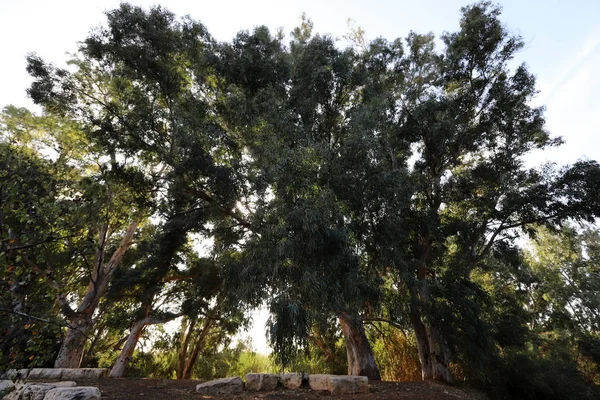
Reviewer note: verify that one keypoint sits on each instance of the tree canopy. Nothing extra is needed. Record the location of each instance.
(373, 195)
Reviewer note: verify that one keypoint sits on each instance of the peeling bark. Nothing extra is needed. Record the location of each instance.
(71, 349)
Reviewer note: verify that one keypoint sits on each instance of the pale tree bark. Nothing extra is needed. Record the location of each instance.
(137, 329)
(80, 320)
(361, 361)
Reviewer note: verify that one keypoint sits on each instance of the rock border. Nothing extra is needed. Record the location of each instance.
(334, 384)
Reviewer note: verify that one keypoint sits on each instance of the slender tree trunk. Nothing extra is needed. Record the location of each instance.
(128, 348)
(191, 361)
(361, 360)
(186, 336)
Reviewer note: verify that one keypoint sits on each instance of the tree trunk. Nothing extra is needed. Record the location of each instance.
(128, 348)
(433, 352)
(358, 350)
(71, 349)
(186, 336)
(191, 361)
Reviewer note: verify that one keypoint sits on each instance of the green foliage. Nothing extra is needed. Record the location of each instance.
(396, 353)
(383, 181)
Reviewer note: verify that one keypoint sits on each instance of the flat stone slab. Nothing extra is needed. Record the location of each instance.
(349, 384)
(67, 373)
(74, 393)
(45, 373)
(339, 384)
(15, 374)
(291, 380)
(225, 386)
(261, 382)
(84, 373)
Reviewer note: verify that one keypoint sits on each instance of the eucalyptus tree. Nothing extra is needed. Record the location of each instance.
(317, 123)
(469, 119)
(141, 89)
(60, 197)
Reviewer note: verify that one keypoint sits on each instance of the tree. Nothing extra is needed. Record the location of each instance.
(469, 118)
(144, 104)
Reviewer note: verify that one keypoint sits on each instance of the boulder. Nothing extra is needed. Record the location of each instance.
(15, 374)
(34, 391)
(339, 384)
(6, 386)
(291, 381)
(45, 373)
(74, 393)
(223, 386)
(84, 373)
(261, 382)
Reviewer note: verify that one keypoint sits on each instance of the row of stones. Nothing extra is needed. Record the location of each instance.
(334, 384)
(66, 390)
(55, 373)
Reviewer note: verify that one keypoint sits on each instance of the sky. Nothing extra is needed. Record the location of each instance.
(562, 48)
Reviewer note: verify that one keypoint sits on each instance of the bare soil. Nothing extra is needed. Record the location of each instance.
(163, 389)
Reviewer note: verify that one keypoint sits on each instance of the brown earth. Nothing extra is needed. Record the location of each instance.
(163, 389)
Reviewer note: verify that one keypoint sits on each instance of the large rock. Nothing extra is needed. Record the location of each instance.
(221, 386)
(34, 391)
(15, 374)
(45, 373)
(74, 393)
(261, 382)
(6, 386)
(349, 384)
(339, 384)
(291, 380)
(84, 373)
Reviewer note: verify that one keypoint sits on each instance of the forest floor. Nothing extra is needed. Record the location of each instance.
(164, 389)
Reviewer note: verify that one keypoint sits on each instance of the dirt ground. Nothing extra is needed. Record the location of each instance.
(162, 389)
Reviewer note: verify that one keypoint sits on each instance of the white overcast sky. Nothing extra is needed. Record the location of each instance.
(562, 45)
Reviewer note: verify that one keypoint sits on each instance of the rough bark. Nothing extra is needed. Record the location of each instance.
(361, 361)
(433, 353)
(71, 349)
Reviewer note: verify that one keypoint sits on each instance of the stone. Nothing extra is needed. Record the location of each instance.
(45, 373)
(84, 373)
(74, 393)
(34, 390)
(6, 386)
(291, 380)
(339, 384)
(15, 374)
(349, 384)
(261, 382)
(37, 391)
(319, 381)
(223, 386)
